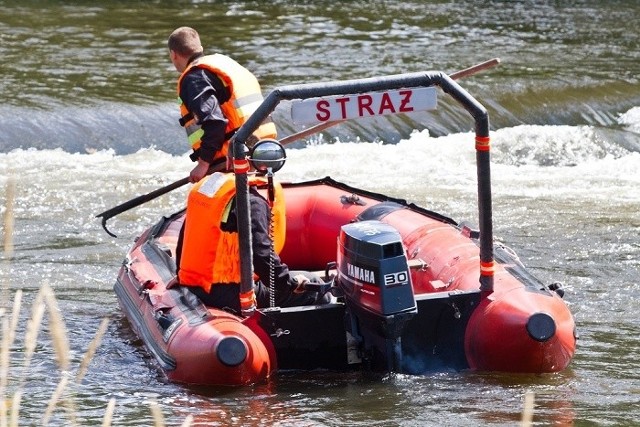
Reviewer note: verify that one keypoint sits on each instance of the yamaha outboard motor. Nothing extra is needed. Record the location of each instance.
(374, 276)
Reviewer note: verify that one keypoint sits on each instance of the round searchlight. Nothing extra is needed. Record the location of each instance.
(231, 351)
(268, 154)
(541, 327)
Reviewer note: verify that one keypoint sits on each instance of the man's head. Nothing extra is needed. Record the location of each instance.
(184, 42)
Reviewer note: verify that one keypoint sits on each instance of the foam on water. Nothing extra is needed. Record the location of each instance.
(530, 161)
(631, 120)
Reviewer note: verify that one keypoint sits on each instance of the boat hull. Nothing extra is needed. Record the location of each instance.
(497, 336)
(522, 326)
(192, 343)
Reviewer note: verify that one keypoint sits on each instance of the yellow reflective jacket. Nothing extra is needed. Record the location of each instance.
(246, 96)
(209, 254)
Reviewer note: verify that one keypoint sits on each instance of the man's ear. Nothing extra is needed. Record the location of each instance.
(176, 60)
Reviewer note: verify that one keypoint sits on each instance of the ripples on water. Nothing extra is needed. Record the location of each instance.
(560, 65)
(95, 78)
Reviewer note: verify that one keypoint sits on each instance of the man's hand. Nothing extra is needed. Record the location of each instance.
(229, 161)
(300, 280)
(199, 171)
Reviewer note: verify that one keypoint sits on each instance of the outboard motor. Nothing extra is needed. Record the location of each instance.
(374, 275)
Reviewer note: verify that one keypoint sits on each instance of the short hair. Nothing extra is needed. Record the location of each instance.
(185, 41)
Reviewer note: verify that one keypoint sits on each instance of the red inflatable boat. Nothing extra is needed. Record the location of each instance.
(412, 290)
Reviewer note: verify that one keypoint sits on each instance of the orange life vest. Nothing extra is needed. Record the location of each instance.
(209, 254)
(246, 96)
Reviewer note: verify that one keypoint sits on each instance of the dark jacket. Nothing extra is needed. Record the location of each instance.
(202, 93)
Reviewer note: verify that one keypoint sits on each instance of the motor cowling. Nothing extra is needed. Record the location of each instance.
(373, 269)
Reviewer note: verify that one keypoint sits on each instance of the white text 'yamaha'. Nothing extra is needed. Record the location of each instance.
(360, 273)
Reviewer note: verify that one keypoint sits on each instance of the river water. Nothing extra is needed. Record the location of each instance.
(89, 121)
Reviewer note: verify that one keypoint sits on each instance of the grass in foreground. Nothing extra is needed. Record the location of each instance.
(62, 398)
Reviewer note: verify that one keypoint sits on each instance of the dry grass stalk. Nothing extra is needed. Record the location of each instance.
(91, 351)
(58, 396)
(55, 397)
(158, 418)
(8, 237)
(9, 219)
(108, 413)
(58, 330)
(3, 412)
(15, 409)
(187, 421)
(31, 334)
(4, 371)
(61, 346)
(70, 406)
(8, 336)
(45, 298)
(15, 315)
(527, 412)
(30, 341)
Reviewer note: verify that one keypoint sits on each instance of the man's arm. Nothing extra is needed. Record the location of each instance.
(203, 92)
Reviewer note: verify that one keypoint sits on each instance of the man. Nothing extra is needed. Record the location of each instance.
(209, 249)
(217, 96)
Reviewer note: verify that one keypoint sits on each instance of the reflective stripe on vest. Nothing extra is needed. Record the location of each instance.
(210, 255)
(246, 96)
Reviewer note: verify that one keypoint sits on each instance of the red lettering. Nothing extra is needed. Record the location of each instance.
(386, 104)
(406, 99)
(364, 103)
(343, 106)
(323, 111)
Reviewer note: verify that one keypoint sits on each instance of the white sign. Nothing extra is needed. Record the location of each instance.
(345, 107)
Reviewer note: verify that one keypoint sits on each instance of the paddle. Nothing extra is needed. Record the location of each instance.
(219, 165)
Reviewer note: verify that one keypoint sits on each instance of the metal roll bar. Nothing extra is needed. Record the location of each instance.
(359, 86)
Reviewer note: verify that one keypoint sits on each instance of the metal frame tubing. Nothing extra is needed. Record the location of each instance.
(358, 86)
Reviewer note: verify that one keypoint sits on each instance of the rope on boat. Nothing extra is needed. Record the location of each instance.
(272, 279)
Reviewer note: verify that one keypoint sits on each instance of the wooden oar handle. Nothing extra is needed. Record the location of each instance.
(474, 69)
